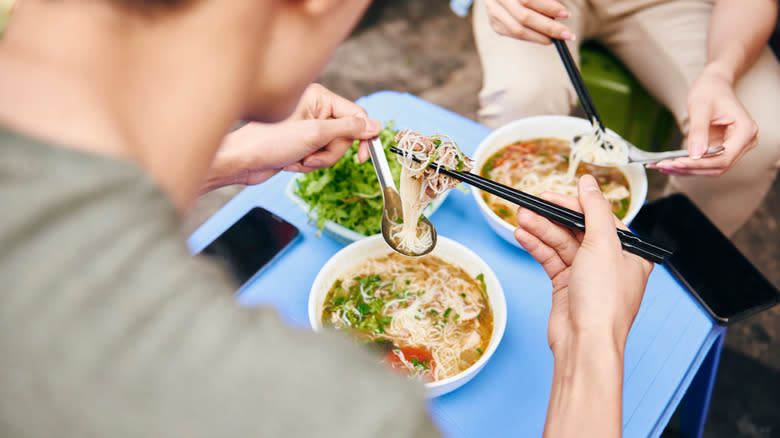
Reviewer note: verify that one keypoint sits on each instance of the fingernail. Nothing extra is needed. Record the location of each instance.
(651, 166)
(566, 35)
(679, 165)
(589, 184)
(373, 125)
(697, 150)
(312, 163)
(563, 13)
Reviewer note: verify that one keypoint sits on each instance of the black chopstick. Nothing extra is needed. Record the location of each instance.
(579, 84)
(632, 243)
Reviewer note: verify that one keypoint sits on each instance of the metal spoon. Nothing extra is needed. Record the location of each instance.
(392, 209)
(638, 156)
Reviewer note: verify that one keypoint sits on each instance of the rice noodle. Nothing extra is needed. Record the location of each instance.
(597, 147)
(456, 340)
(543, 165)
(421, 184)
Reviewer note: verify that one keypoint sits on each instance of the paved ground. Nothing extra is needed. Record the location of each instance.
(421, 48)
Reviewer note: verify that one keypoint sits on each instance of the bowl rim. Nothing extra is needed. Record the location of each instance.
(497, 301)
(490, 138)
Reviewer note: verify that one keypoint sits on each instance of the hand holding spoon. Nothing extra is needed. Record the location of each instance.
(392, 209)
(639, 156)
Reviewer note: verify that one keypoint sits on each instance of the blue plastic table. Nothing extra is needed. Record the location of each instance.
(672, 352)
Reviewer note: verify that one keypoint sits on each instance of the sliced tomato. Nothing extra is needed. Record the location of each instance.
(393, 360)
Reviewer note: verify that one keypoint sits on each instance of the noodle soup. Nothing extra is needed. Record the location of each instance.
(432, 318)
(540, 165)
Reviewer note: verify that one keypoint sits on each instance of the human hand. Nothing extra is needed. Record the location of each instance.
(716, 117)
(529, 20)
(316, 135)
(327, 111)
(597, 287)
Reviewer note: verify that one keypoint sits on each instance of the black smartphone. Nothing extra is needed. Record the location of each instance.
(705, 261)
(252, 243)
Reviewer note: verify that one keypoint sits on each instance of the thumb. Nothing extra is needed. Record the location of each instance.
(599, 219)
(699, 132)
(346, 127)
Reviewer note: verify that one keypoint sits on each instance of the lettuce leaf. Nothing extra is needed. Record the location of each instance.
(348, 192)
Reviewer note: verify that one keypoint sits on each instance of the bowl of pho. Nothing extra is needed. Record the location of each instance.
(436, 318)
(534, 155)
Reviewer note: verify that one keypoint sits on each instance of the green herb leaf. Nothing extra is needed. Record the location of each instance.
(481, 279)
(326, 190)
(621, 212)
(419, 365)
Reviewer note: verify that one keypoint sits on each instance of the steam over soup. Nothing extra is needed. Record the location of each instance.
(433, 318)
(541, 165)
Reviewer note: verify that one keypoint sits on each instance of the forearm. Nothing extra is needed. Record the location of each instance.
(738, 32)
(586, 395)
(236, 162)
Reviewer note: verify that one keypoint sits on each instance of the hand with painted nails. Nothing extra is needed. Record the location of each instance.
(597, 290)
(529, 20)
(717, 117)
(320, 130)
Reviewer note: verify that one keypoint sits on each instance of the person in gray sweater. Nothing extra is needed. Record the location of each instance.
(114, 116)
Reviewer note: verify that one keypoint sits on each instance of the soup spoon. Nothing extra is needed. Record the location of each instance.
(638, 156)
(392, 210)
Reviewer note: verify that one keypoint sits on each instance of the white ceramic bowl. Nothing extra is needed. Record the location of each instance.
(340, 233)
(446, 249)
(563, 127)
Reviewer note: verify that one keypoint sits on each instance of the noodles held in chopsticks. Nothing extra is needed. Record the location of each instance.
(421, 184)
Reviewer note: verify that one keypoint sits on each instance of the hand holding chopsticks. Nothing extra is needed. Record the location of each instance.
(632, 243)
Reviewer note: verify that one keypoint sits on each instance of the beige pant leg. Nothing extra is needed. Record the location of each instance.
(520, 78)
(665, 46)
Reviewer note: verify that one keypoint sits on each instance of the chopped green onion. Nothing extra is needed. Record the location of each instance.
(420, 365)
(481, 279)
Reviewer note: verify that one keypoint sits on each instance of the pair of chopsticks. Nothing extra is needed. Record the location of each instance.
(632, 243)
(579, 85)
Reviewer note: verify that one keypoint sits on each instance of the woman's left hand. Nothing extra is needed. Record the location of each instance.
(717, 117)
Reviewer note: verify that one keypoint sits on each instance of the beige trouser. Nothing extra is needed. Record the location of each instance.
(664, 44)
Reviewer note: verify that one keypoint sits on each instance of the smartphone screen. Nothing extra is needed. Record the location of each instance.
(705, 260)
(252, 243)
